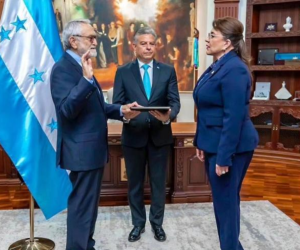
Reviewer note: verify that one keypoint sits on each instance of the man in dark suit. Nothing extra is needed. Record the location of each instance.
(82, 129)
(146, 139)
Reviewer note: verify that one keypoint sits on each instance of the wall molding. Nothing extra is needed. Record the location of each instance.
(226, 8)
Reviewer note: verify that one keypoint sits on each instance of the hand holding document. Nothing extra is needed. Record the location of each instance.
(128, 112)
(161, 113)
(162, 116)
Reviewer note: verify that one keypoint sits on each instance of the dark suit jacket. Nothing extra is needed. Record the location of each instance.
(223, 124)
(82, 117)
(129, 87)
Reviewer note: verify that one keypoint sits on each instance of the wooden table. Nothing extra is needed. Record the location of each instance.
(186, 177)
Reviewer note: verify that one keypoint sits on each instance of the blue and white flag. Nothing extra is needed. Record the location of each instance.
(29, 46)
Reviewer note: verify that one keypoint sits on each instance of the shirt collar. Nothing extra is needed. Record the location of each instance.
(141, 64)
(76, 57)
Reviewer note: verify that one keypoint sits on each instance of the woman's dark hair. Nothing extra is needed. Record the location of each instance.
(232, 29)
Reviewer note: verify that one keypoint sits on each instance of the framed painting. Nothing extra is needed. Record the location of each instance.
(116, 22)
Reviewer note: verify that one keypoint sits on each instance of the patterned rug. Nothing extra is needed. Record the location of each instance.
(188, 227)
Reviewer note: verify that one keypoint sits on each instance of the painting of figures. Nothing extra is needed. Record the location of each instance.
(116, 22)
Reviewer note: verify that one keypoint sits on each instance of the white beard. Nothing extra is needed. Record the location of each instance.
(93, 53)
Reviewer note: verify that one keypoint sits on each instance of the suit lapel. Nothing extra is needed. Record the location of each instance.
(211, 74)
(156, 73)
(100, 94)
(201, 77)
(73, 61)
(215, 69)
(137, 75)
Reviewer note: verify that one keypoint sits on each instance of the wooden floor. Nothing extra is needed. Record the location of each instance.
(14, 197)
(275, 179)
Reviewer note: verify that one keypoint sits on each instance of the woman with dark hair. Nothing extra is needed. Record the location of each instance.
(225, 138)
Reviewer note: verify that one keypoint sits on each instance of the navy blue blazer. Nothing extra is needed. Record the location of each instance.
(129, 87)
(82, 117)
(222, 99)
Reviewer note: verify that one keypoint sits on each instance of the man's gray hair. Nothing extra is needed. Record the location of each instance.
(144, 31)
(72, 28)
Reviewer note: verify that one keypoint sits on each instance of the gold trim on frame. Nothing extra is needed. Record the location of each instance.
(123, 170)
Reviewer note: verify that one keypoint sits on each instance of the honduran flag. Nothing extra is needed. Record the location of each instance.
(29, 46)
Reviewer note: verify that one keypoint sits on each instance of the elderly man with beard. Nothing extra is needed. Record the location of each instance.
(82, 129)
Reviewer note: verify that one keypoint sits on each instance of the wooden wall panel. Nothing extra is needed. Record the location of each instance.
(196, 171)
(1, 6)
(226, 8)
(8, 172)
(108, 175)
(3, 164)
(190, 180)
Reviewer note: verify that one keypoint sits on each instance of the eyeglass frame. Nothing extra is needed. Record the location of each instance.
(91, 38)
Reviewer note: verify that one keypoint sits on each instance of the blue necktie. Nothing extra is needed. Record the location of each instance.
(146, 80)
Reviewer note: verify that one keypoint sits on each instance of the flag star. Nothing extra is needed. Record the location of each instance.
(37, 76)
(4, 34)
(19, 24)
(52, 125)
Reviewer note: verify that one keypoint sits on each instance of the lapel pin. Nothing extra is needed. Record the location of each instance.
(212, 72)
(157, 67)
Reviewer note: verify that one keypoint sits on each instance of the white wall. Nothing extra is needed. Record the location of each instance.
(186, 113)
(242, 13)
(205, 16)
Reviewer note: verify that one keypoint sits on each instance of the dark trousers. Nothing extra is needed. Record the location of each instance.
(83, 209)
(98, 53)
(114, 52)
(226, 197)
(136, 160)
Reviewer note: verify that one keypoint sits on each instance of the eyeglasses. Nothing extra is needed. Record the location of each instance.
(91, 38)
(211, 36)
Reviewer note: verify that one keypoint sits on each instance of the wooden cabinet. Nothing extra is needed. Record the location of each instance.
(8, 173)
(277, 121)
(278, 124)
(114, 182)
(190, 179)
(260, 12)
(274, 169)
(186, 177)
